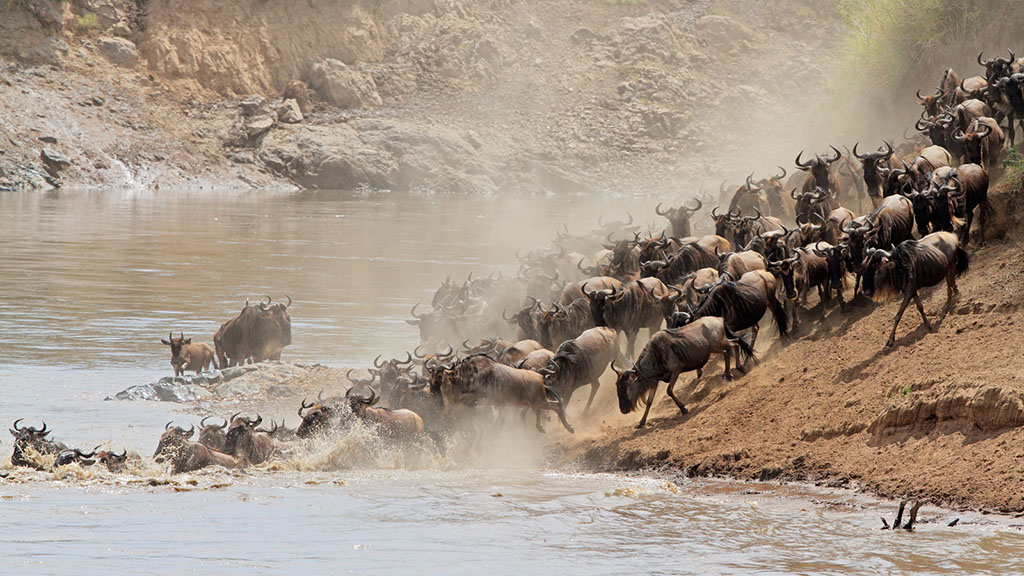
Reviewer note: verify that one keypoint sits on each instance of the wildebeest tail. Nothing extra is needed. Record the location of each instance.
(961, 261)
(779, 313)
(743, 341)
(551, 394)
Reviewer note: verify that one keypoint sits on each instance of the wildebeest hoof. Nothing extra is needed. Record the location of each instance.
(683, 410)
(728, 377)
(541, 430)
(570, 429)
(641, 425)
(889, 344)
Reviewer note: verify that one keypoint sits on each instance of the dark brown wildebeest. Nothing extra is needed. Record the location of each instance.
(836, 221)
(775, 191)
(388, 372)
(74, 456)
(526, 320)
(679, 217)
(835, 261)
(971, 192)
(396, 425)
(246, 444)
(748, 197)
(581, 361)
(629, 309)
(671, 353)
(319, 417)
(913, 265)
(696, 283)
(561, 323)
(30, 444)
(258, 333)
(213, 435)
(799, 273)
(983, 141)
(188, 456)
(818, 173)
(736, 264)
(690, 258)
(889, 224)
(817, 201)
(870, 163)
(188, 356)
(480, 380)
(743, 303)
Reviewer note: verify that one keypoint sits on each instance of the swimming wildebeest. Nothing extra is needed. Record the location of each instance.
(913, 265)
(188, 356)
(671, 353)
(397, 425)
(186, 456)
(30, 442)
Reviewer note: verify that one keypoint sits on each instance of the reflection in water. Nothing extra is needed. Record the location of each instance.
(96, 279)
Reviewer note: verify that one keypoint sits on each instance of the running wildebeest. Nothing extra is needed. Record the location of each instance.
(913, 265)
(581, 361)
(671, 353)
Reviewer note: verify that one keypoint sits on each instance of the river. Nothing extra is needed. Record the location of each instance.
(92, 280)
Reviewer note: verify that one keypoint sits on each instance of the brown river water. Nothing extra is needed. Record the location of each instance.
(90, 281)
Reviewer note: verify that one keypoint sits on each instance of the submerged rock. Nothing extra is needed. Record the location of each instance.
(165, 390)
(251, 380)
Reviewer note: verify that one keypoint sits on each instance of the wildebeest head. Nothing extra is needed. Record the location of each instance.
(974, 141)
(725, 224)
(173, 438)
(29, 441)
(74, 456)
(679, 217)
(113, 461)
(818, 167)
(870, 162)
(176, 343)
(212, 435)
(786, 269)
(996, 68)
(240, 429)
(931, 102)
(878, 267)
(628, 388)
(598, 300)
(390, 371)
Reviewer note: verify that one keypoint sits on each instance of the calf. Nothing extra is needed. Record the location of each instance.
(188, 356)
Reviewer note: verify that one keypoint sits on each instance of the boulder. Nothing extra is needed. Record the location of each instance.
(723, 34)
(299, 92)
(118, 51)
(342, 86)
(167, 389)
(54, 161)
(289, 111)
(255, 105)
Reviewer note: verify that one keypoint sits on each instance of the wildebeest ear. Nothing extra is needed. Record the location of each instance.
(187, 341)
(166, 343)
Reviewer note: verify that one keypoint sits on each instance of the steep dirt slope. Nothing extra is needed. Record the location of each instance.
(938, 416)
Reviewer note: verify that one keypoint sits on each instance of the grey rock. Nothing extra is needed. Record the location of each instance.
(255, 105)
(48, 139)
(289, 111)
(242, 157)
(279, 391)
(54, 161)
(165, 390)
(231, 373)
(342, 86)
(118, 51)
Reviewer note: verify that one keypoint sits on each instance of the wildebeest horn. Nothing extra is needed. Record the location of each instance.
(794, 195)
(166, 426)
(630, 216)
(714, 212)
(583, 289)
(408, 358)
(698, 207)
(979, 57)
(750, 178)
(858, 156)
(802, 164)
(413, 312)
(959, 135)
(657, 210)
(20, 419)
(257, 422)
(375, 364)
(616, 370)
(987, 128)
(678, 293)
(780, 176)
(191, 431)
(416, 350)
(838, 155)
(818, 216)
(44, 430)
(289, 301)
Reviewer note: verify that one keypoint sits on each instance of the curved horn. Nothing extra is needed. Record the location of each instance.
(793, 194)
(657, 210)
(838, 155)
(408, 358)
(858, 156)
(802, 164)
(416, 350)
(616, 370)
(714, 212)
(375, 364)
(289, 301)
(979, 57)
(19, 429)
(698, 207)
(168, 425)
(413, 312)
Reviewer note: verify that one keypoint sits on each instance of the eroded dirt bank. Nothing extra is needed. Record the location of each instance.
(472, 96)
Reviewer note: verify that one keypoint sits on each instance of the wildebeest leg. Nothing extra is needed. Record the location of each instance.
(631, 343)
(899, 315)
(950, 290)
(593, 392)
(725, 355)
(558, 406)
(650, 400)
(671, 394)
(920, 308)
(540, 427)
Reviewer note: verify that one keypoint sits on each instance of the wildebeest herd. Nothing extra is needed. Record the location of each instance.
(529, 341)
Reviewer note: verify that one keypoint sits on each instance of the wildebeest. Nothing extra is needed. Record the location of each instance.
(913, 265)
(396, 425)
(690, 258)
(31, 443)
(679, 217)
(518, 352)
(186, 456)
(574, 290)
(816, 201)
(259, 332)
(818, 173)
(480, 380)
(671, 353)
(869, 164)
(246, 444)
(581, 361)
(117, 463)
(320, 417)
(560, 323)
(737, 264)
(74, 456)
(743, 303)
(629, 309)
(536, 360)
(972, 192)
(892, 222)
(213, 435)
(983, 141)
(188, 356)
(526, 320)
(799, 273)
(835, 261)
